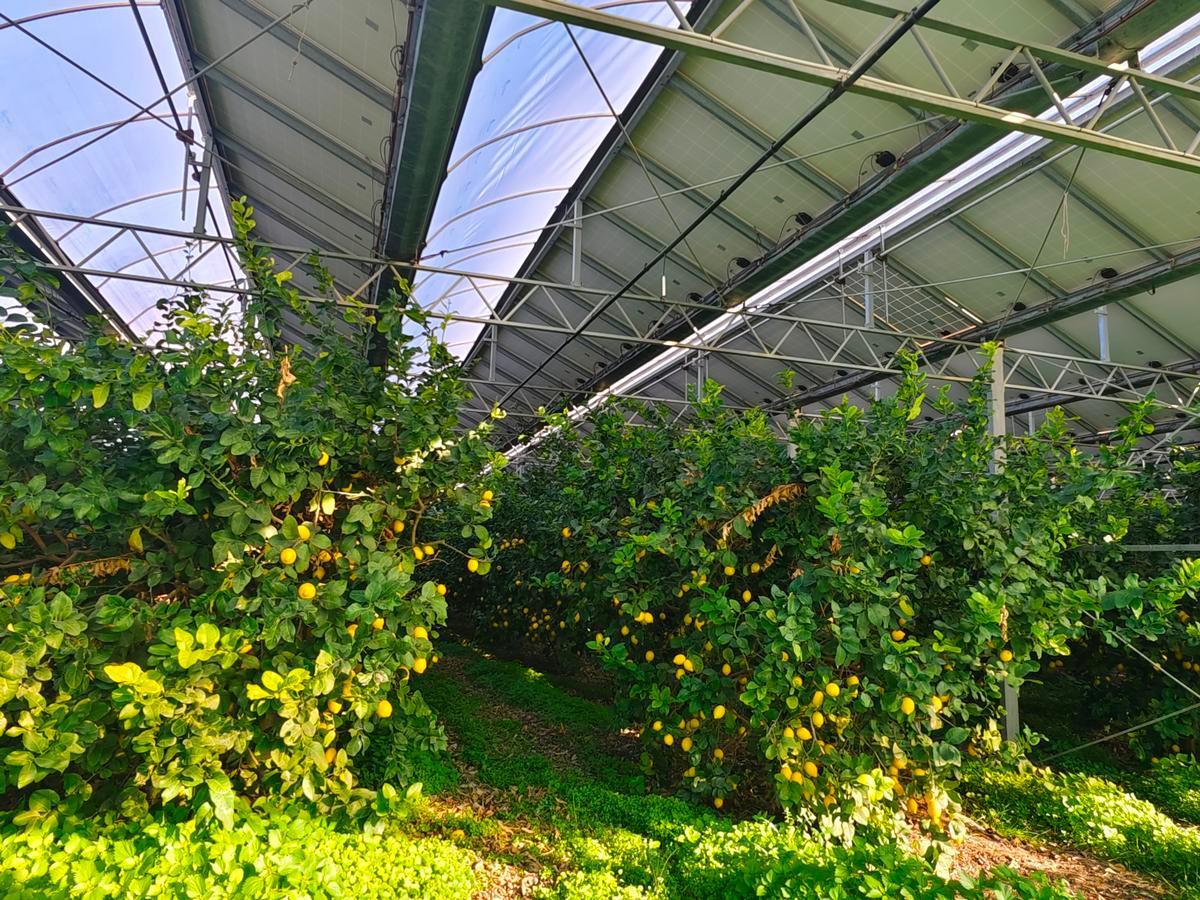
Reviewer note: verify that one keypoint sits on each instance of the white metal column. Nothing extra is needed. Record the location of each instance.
(1012, 717)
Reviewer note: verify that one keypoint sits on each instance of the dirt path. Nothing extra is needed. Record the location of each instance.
(1094, 878)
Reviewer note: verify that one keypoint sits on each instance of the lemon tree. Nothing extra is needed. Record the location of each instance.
(832, 617)
(214, 549)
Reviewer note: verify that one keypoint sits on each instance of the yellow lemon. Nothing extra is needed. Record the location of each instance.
(334, 706)
(397, 526)
(907, 706)
(472, 565)
(686, 744)
(726, 669)
(323, 459)
(718, 802)
(1006, 656)
(287, 556)
(307, 591)
(378, 623)
(420, 633)
(488, 495)
(718, 712)
(818, 719)
(330, 756)
(419, 665)
(384, 709)
(441, 589)
(657, 726)
(897, 635)
(668, 739)
(926, 560)
(566, 532)
(810, 769)
(352, 628)
(729, 570)
(649, 656)
(832, 689)
(746, 595)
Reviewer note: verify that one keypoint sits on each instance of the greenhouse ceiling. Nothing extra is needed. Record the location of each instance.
(632, 196)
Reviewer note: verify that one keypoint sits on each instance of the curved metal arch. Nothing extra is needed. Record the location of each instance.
(512, 132)
(67, 10)
(146, 117)
(154, 254)
(517, 35)
(471, 289)
(139, 199)
(461, 259)
(478, 206)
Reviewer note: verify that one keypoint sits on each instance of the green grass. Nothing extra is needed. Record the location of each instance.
(1088, 812)
(279, 854)
(1172, 784)
(612, 839)
(533, 781)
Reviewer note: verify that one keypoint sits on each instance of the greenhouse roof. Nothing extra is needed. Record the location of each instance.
(551, 178)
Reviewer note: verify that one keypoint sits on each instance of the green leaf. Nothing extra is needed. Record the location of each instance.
(100, 394)
(208, 635)
(272, 681)
(123, 673)
(142, 397)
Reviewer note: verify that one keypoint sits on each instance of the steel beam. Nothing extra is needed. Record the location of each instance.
(868, 86)
(1044, 52)
(1112, 290)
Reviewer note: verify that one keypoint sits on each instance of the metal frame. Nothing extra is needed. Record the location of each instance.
(868, 352)
(1067, 130)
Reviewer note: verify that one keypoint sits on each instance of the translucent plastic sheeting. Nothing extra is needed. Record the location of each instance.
(134, 174)
(533, 120)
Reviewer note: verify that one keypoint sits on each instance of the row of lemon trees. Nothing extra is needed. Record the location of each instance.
(213, 550)
(835, 615)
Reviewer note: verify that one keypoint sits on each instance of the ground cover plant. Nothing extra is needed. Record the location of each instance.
(1090, 812)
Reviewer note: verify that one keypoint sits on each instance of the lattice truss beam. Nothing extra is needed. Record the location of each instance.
(851, 325)
(1075, 119)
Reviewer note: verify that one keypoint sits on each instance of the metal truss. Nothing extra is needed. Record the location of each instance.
(779, 334)
(1077, 116)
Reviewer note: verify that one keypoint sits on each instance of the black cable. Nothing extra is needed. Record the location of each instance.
(856, 72)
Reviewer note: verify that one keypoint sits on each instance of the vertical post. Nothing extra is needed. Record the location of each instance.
(202, 197)
(492, 355)
(868, 292)
(1102, 330)
(1012, 716)
(577, 245)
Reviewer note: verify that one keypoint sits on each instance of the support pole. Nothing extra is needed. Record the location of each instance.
(577, 244)
(1012, 716)
(868, 292)
(1102, 329)
(202, 201)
